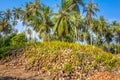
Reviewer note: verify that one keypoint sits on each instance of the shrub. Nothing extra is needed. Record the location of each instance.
(5, 50)
(19, 40)
(6, 41)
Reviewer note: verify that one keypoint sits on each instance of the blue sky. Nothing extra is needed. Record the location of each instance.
(108, 8)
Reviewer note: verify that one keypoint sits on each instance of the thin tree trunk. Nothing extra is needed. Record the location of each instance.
(91, 33)
(62, 38)
(91, 39)
(48, 37)
(85, 35)
(45, 36)
(75, 34)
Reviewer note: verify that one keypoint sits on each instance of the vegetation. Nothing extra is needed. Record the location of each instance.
(66, 24)
(61, 43)
(14, 41)
(63, 59)
(19, 39)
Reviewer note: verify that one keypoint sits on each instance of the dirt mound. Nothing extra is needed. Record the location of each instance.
(57, 61)
(104, 76)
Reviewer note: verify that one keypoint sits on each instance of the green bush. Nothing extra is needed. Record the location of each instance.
(11, 42)
(5, 50)
(19, 40)
(6, 41)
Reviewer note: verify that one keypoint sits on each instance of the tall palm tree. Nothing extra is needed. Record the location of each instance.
(75, 4)
(116, 31)
(8, 14)
(30, 33)
(104, 30)
(35, 8)
(109, 35)
(100, 30)
(5, 22)
(63, 20)
(38, 16)
(26, 14)
(16, 15)
(90, 10)
(40, 19)
(76, 23)
(45, 23)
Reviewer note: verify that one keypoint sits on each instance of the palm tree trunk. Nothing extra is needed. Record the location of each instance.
(75, 34)
(91, 33)
(62, 38)
(85, 34)
(48, 37)
(84, 37)
(45, 36)
(91, 39)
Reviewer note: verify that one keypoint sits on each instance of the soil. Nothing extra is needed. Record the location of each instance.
(12, 72)
(104, 76)
(18, 73)
(8, 71)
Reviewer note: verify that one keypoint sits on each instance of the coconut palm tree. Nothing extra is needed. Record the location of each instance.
(26, 14)
(74, 4)
(100, 28)
(40, 20)
(108, 35)
(63, 20)
(30, 33)
(16, 15)
(7, 14)
(105, 30)
(76, 23)
(5, 22)
(90, 10)
(116, 31)
(35, 8)
(45, 23)
(38, 16)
